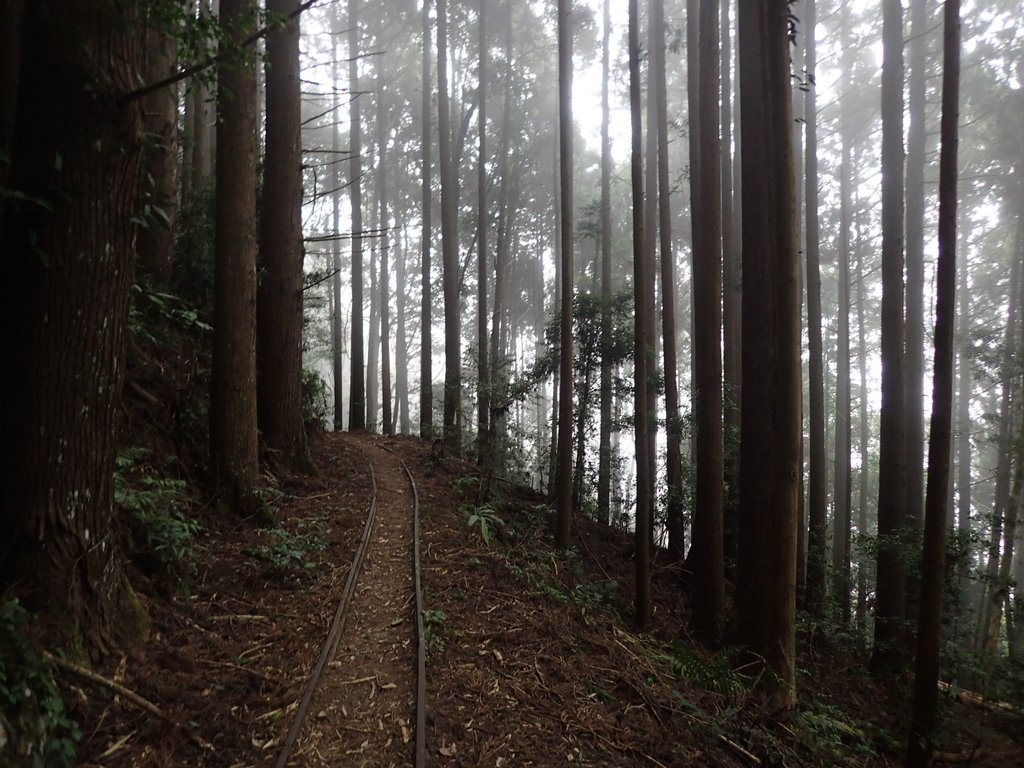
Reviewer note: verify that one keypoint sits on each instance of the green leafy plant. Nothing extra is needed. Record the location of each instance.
(825, 730)
(154, 509)
(717, 674)
(485, 518)
(291, 553)
(433, 628)
(35, 730)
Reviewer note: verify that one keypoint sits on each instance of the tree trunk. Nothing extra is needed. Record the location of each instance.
(337, 334)
(373, 335)
(963, 440)
(384, 238)
(709, 592)
(357, 380)
(279, 299)
(817, 541)
(642, 337)
(914, 312)
(483, 373)
(155, 241)
(449, 247)
(401, 340)
(604, 469)
(426, 192)
(770, 426)
(69, 276)
(922, 723)
(842, 484)
(730, 306)
(563, 479)
(888, 653)
(234, 457)
(673, 425)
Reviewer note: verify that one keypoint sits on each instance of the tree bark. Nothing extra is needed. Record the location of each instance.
(279, 298)
(483, 372)
(357, 380)
(384, 234)
(770, 426)
(563, 480)
(337, 333)
(69, 270)
(234, 457)
(922, 723)
(709, 592)
(817, 541)
(890, 592)
(426, 191)
(604, 470)
(449, 247)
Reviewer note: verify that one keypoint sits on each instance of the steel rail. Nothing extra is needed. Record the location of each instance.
(338, 623)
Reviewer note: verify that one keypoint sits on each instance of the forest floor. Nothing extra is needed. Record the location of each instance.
(533, 660)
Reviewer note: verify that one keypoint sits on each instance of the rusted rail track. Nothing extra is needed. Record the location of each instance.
(341, 614)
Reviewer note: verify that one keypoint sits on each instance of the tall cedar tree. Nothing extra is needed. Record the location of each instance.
(483, 374)
(913, 340)
(770, 420)
(357, 375)
(730, 303)
(642, 338)
(233, 434)
(563, 480)
(337, 330)
(604, 461)
(426, 198)
(673, 424)
(449, 247)
(887, 655)
(279, 298)
(842, 485)
(69, 274)
(709, 591)
(384, 239)
(919, 745)
(816, 498)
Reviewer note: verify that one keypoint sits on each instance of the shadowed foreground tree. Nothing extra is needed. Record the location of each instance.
(68, 249)
(234, 457)
(770, 413)
(919, 745)
(357, 377)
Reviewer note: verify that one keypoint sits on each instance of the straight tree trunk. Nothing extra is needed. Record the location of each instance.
(337, 334)
(709, 592)
(449, 247)
(770, 426)
(842, 484)
(890, 592)
(401, 340)
(357, 380)
(673, 424)
(730, 306)
(203, 111)
(426, 191)
(155, 241)
(279, 297)
(384, 238)
(963, 440)
(926, 678)
(483, 372)
(642, 337)
(817, 542)
(234, 451)
(864, 427)
(914, 312)
(563, 479)
(373, 340)
(68, 271)
(604, 468)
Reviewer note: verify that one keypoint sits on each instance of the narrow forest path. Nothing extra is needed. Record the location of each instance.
(363, 711)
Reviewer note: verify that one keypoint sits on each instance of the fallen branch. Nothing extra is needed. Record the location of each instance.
(127, 693)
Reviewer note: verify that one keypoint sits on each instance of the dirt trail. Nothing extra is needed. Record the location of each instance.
(363, 712)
